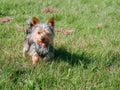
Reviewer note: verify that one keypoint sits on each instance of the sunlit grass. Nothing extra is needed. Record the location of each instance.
(86, 59)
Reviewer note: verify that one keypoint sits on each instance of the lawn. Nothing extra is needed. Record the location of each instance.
(87, 43)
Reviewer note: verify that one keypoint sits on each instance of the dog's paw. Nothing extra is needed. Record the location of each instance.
(35, 59)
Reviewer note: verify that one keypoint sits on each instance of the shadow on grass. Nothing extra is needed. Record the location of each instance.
(72, 58)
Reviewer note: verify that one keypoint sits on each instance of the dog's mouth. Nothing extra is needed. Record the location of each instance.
(42, 44)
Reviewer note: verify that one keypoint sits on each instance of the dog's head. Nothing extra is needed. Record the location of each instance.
(42, 33)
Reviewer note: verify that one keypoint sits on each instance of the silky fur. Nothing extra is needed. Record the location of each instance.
(38, 43)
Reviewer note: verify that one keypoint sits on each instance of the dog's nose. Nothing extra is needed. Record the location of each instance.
(43, 39)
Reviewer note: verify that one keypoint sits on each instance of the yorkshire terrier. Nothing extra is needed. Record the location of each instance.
(38, 43)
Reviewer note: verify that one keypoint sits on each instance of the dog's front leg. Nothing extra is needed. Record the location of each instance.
(35, 58)
(26, 47)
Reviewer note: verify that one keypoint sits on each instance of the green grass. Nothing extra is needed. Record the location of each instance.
(88, 59)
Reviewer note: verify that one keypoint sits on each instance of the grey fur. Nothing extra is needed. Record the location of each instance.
(31, 47)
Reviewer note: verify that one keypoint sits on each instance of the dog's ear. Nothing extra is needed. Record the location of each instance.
(34, 21)
(31, 23)
(51, 22)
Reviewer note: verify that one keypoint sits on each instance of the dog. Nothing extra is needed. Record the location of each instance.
(38, 43)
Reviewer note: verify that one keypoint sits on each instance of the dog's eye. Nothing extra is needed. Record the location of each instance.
(40, 31)
(48, 34)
